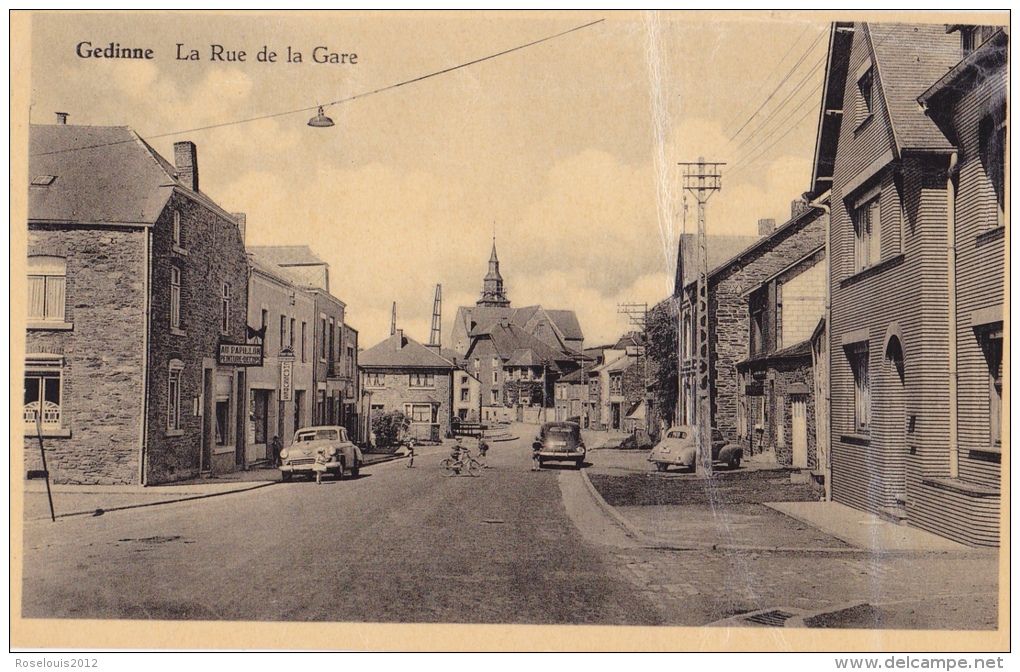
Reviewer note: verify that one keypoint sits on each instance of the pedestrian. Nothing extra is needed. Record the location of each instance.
(483, 450)
(277, 446)
(536, 464)
(410, 453)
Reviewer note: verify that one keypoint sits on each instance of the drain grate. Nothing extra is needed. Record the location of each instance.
(772, 619)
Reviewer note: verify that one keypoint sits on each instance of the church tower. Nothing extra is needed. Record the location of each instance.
(492, 287)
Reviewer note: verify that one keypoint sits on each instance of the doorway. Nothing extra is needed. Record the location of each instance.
(798, 410)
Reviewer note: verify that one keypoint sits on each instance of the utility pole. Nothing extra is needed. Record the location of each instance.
(702, 180)
(393, 320)
(436, 336)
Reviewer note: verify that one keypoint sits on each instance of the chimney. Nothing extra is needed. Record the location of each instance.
(798, 207)
(766, 227)
(62, 118)
(186, 162)
(242, 221)
(504, 321)
(399, 342)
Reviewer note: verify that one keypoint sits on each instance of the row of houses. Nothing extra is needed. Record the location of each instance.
(863, 338)
(158, 347)
(503, 365)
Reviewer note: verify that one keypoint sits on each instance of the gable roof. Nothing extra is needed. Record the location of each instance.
(288, 255)
(263, 265)
(908, 59)
(400, 352)
(721, 250)
(104, 175)
(563, 322)
(517, 347)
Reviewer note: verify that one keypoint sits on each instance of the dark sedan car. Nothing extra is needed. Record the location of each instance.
(560, 441)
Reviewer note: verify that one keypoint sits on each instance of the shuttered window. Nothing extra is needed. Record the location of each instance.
(867, 234)
(860, 364)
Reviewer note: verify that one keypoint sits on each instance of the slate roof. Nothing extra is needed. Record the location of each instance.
(574, 377)
(514, 344)
(908, 59)
(409, 355)
(721, 249)
(565, 321)
(288, 255)
(269, 268)
(104, 175)
(798, 351)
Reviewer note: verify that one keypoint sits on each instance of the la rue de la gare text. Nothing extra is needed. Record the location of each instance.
(216, 53)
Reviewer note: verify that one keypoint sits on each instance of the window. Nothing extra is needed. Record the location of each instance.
(173, 397)
(495, 376)
(992, 346)
(494, 396)
(422, 380)
(993, 156)
(867, 234)
(46, 284)
(495, 362)
(464, 394)
(43, 393)
(478, 363)
(421, 413)
(292, 323)
(177, 228)
(688, 336)
(283, 331)
(757, 304)
(859, 363)
(616, 384)
(375, 379)
(175, 297)
(349, 363)
(265, 321)
(866, 85)
(332, 341)
(304, 338)
(225, 302)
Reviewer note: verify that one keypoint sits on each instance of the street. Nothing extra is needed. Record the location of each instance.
(413, 546)
(395, 545)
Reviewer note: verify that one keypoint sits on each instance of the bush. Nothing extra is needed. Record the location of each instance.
(389, 428)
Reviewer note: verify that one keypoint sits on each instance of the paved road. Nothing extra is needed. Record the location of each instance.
(396, 545)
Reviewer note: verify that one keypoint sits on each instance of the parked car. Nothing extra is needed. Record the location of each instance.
(560, 441)
(679, 448)
(325, 446)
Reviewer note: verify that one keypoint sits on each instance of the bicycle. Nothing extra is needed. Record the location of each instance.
(452, 466)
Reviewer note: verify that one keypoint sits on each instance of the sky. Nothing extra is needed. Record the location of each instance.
(565, 150)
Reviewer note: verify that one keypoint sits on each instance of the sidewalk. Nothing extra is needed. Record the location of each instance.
(91, 500)
(756, 507)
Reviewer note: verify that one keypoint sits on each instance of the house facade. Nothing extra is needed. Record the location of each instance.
(401, 374)
(135, 280)
(916, 331)
(284, 316)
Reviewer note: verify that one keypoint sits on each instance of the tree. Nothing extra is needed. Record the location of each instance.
(389, 428)
(661, 331)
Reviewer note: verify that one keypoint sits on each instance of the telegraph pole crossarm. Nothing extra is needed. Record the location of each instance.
(702, 179)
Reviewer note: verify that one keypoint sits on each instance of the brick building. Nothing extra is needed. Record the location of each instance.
(401, 374)
(916, 331)
(135, 278)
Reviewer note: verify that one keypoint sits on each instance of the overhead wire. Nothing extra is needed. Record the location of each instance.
(780, 84)
(767, 78)
(764, 124)
(335, 102)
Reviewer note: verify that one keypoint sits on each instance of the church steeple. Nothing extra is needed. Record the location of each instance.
(492, 287)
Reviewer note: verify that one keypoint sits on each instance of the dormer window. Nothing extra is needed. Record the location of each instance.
(866, 85)
(43, 180)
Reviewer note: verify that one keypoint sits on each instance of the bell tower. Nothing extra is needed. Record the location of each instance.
(493, 295)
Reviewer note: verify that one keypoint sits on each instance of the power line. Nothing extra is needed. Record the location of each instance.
(780, 125)
(762, 85)
(800, 85)
(791, 129)
(335, 102)
(780, 84)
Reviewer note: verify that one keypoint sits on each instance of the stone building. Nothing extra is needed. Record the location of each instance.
(136, 279)
(750, 297)
(912, 146)
(401, 374)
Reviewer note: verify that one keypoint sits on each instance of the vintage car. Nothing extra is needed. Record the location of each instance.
(320, 449)
(679, 448)
(560, 441)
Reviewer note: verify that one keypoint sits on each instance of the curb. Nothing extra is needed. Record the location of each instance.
(659, 545)
(629, 528)
(206, 495)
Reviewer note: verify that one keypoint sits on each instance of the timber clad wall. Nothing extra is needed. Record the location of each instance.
(214, 255)
(102, 386)
(902, 463)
